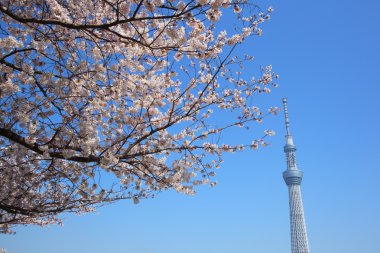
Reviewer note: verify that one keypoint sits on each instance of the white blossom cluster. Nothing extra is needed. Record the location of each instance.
(110, 99)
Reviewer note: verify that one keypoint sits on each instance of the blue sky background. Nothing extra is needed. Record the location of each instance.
(327, 53)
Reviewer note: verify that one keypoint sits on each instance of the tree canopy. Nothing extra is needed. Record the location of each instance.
(104, 100)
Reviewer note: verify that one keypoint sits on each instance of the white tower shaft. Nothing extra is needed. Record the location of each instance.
(293, 179)
(297, 221)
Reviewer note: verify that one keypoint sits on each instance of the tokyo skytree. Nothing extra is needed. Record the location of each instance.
(293, 177)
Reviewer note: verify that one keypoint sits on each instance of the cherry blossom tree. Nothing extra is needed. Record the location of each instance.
(102, 100)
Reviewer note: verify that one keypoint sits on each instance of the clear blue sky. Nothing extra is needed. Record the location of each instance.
(327, 53)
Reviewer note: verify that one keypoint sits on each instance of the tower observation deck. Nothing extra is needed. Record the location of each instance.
(293, 178)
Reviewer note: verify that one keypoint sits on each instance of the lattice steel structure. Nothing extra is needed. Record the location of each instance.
(293, 178)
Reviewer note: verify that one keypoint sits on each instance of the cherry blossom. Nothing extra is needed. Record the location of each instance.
(116, 99)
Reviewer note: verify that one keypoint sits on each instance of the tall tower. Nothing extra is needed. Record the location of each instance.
(293, 178)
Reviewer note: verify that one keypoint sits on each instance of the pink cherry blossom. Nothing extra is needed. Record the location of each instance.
(108, 100)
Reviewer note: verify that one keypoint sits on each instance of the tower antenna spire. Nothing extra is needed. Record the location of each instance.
(287, 123)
